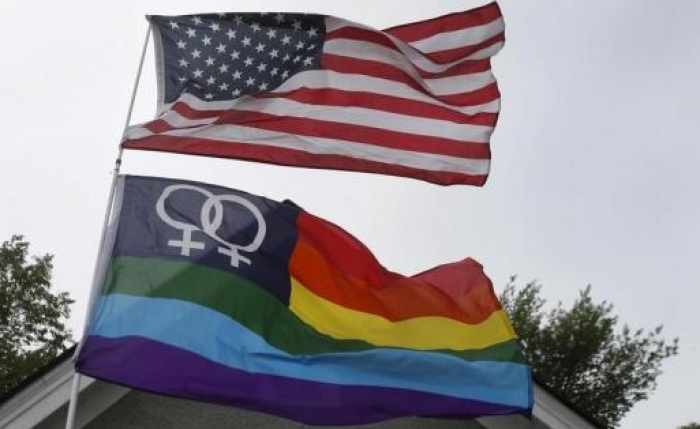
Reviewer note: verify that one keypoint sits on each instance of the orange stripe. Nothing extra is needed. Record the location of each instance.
(339, 268)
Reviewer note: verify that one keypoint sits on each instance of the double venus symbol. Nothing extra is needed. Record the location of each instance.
(211, 217)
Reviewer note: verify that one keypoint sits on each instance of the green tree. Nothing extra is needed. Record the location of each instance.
(690, 426)
(32, 330)
(580, 352)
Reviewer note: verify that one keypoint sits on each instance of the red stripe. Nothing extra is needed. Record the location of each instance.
(451, 55)
(481, 96)
(188, 112)
(158, 126)
(356, 133)
(461, 68)
(456, 21)
(366, 35)
(362, 35)
(293, 157)
(370, 100)
(362, 99)
(380, 70)
(336, 266)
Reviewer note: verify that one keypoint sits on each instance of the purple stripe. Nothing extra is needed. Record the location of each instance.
(159, 368)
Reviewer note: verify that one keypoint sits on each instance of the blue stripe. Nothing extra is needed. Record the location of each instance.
(223, 340)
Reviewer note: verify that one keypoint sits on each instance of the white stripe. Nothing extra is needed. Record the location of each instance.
(236, 134)
(414, 55)
(350, 115)
(426, 63)
(439, 86)
(461, 83)
(459, 38)
(176, 120)
(321, 79)
(136, 132)
(487, 52)
(318, 79)
(333, 23)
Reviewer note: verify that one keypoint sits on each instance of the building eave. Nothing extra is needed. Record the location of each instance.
(44, 395)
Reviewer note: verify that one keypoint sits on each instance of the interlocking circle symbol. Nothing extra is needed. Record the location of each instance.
(211, 218)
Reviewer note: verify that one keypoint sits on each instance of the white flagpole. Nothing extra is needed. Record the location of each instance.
(75, 388)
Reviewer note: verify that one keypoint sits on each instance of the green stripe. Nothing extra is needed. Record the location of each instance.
(250, 305)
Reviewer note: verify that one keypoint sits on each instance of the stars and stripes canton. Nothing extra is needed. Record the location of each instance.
(418, 100)
(225, 56)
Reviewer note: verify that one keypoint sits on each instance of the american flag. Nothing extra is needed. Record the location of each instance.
(418, 100)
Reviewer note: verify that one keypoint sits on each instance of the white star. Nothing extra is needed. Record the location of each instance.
(296, 24)
(191, 33)
(215, 27)
(206, 40)
(274, 71)
(286, 40)
(209, 96)
(308, 61)
(255, 26)
(196, 53)
(313, 31)
(173, 25)
(286, 58)
(211, 80)
(260, 47)
(221, 15)
(248, 62)
(297, 58)
(209, 61)
(311, 46)
(184, 62)
(246, 41)
(223, 68)
(264, 13)
(231, 34)
(274, 53)
(181, 44)
(285, 74)
(271, 33)
(262, 86)
(300, 45)
(198, 86)
(235, 55)
(279, 18)
(221, 48)
(236, 75)
(223, 86)
(197, 20)
(182, 79)
(197, 73)
(262, 67)
(250, 81)
(236, 92)
(238, 19)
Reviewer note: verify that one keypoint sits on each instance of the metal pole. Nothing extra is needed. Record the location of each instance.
(75, 389)
(73, 404)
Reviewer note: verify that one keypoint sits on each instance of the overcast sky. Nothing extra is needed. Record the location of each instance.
(595, 176)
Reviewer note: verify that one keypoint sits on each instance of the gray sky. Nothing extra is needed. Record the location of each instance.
(595, 175)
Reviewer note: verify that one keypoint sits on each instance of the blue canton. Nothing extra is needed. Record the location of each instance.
(225, 56)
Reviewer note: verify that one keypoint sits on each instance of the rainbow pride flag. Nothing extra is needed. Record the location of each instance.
(213, 294)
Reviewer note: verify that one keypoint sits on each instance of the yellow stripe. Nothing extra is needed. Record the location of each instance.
(419, 333)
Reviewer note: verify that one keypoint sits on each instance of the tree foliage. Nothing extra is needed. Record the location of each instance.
(581, 353)
(32, 330)
(690, 426)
